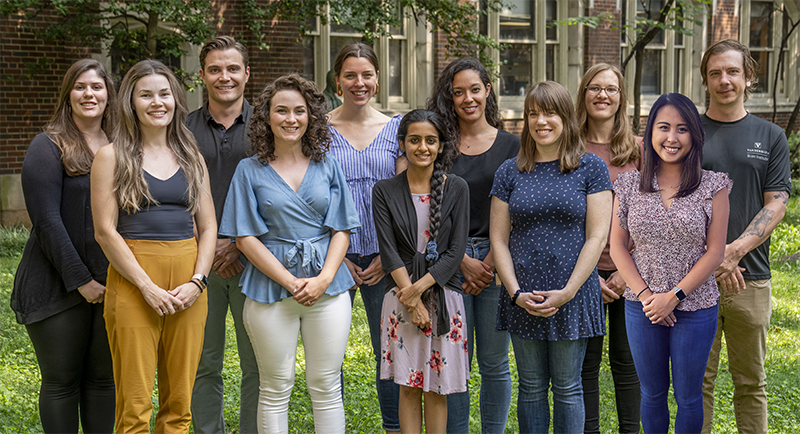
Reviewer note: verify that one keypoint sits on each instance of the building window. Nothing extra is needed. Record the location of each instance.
(323, 42)
(763, 24)
(534, 49)
(667, 59)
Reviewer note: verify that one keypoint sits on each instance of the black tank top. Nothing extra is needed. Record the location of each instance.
(170, 220)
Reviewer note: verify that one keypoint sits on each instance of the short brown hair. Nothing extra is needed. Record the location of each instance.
(551, 96)
(223, 43)
(749, 63)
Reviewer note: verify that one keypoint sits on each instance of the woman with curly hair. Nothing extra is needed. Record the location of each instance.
(60, 283)
(154, 219)
(464, 98)
(291, 213)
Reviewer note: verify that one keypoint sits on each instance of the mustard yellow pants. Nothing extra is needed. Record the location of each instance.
(141, 341)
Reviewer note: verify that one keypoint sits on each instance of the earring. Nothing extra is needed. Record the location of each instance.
(377, 88)
(748, 83)
(338, 90)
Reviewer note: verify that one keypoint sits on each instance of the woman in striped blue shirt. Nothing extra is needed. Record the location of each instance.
(364, 141)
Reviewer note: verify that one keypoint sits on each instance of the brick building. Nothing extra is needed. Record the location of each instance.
(412, 58)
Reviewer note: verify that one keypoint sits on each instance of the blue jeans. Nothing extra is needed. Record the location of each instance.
(542, 363)
(686, 345)
(481, 320)
(372, 296)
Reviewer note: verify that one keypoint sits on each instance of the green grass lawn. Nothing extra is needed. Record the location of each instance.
(19, 374)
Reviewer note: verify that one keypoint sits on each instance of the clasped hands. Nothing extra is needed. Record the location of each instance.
(369, 276)
(477, 275)
(543, 303)
(658, 307)
(410, 296)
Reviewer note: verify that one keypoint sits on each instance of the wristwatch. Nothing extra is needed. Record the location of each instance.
(679, 293)
(202, 279)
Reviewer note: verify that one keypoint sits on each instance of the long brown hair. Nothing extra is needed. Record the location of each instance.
(130, 187)
(551, 97)
(624, 148)
(76, 157)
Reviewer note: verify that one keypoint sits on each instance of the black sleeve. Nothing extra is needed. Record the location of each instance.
(387, 243)
(450, 259)
(42, 176)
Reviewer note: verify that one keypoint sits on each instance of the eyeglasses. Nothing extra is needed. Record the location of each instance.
(610, 90)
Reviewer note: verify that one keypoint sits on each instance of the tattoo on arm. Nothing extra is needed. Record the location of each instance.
(758, 227)
(782, 196)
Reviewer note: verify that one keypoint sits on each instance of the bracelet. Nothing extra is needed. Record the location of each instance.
(198, 285)
(515, 296)
(640, 292)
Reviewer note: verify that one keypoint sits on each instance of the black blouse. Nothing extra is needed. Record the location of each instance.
(61, 253)
(396, 225)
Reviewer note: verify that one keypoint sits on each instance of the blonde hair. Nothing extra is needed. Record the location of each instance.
(551, 96)
(76, 157)
(130, 187)
(624, 148)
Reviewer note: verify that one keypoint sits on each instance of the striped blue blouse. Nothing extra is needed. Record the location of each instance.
(363, 169)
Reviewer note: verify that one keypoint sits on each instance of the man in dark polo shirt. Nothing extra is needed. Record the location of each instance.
(220, 127)
(755, 154)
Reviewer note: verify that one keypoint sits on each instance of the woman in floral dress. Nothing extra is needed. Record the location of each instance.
(421, 217)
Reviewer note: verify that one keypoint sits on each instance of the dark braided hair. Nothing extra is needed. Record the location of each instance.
(442, 165)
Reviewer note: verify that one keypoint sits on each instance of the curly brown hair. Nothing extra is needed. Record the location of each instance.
(316, 140)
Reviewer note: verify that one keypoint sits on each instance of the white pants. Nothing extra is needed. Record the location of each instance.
(273, 329)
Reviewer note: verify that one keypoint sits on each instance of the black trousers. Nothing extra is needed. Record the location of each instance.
(77, 377)
(626, 382)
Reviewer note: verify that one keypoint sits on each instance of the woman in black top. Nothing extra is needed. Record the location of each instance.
(60, 283)
(150, 189)
(463, 96)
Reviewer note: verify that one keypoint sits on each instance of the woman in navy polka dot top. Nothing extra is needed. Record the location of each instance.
(551, 213)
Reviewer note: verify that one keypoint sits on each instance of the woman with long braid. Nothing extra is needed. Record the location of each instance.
(421, 217)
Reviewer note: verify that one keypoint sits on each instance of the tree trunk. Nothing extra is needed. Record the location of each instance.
(790, 129)
(637, 91)
(152, 30)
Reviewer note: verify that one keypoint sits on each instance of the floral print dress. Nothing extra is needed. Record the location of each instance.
(417, 357)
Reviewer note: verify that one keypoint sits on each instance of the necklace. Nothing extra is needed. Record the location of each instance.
(479, 135)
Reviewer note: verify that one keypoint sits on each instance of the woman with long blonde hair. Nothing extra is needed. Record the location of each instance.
(601, 108)
(154, 218)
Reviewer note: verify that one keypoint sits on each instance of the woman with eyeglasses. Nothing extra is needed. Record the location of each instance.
(601, 107)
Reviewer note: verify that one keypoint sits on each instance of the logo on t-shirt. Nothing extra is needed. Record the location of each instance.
(757, 152)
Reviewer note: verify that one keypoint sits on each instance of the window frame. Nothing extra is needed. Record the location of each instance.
(512, 106)
(322, 63)
(761, 101)
(687, 52)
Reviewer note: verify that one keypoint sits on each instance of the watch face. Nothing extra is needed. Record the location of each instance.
(680, 294)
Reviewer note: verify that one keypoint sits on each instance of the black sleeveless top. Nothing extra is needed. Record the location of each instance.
(169, 220)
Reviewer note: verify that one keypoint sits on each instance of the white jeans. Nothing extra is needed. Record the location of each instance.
(273, 329)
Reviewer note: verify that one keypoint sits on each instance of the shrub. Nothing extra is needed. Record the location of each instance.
(13, 239)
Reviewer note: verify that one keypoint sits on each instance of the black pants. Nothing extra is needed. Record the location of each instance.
(77, 377)
(626, 382)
